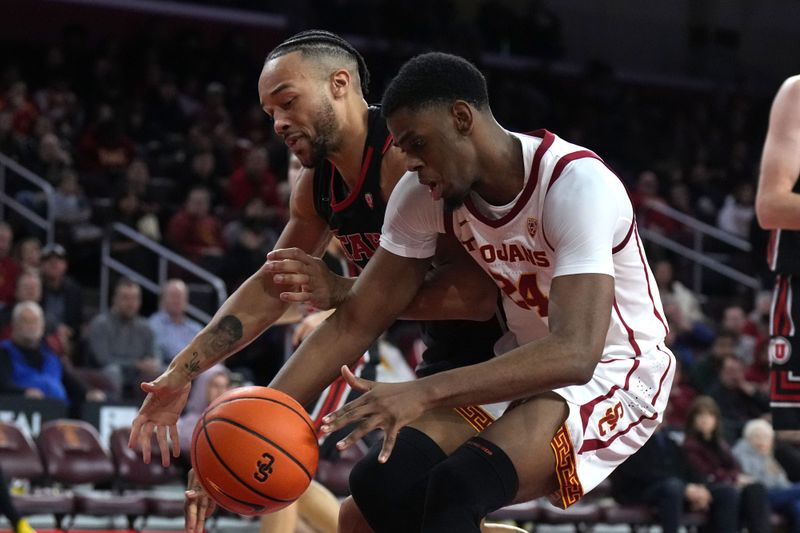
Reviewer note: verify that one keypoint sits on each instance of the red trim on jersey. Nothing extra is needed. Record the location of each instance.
(625, 240)
(533, 178)
(596, 444)
(566, 160)
(338, 206)
(557, 170)
(772, 248)
(780, 307)
(785, 384)
(386, 146)
(647, 278)
(587, 408)
(631, 338)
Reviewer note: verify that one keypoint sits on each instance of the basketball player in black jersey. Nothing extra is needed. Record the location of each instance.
(313, 87)
(778, 210)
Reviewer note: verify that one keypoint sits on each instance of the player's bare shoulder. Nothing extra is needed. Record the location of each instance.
(393, 167)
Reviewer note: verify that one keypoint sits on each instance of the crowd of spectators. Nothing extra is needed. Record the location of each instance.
(163, 132)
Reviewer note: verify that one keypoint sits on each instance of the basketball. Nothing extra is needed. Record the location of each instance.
(254, 450)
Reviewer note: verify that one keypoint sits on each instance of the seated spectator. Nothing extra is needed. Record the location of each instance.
(62, 297)
(73, 211)
(196, 233)
(738, 210)
(9, 268)
(29, 254)
(705, 372)
(255, 180)
(249, 239)
(657, 476)
(686, 300)
(201, 171)
(738, 399)
(121, 342)
(29, 367)
(755, 455)
(734, 319)
(712, 463)
(172, 329)
(681, 396)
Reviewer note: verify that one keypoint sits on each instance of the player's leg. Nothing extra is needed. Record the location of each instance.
(391, 496)
(511, 460)
(318, 508)
(283, 521)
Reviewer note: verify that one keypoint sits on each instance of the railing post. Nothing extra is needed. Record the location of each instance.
(697, 278)
(105, 254)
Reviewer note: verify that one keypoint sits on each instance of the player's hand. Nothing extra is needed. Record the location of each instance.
(311, 280)
(198, 506)
(166, 397)
(308, 325)
(388, 406)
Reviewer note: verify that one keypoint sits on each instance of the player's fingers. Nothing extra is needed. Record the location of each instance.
(356, 382)
(190, 510)
(356, 435)
(282, 254)
(291, 279)
(144, 441)
(202, 509)
(296, 297)
(388, 444)
(175, 438)
(163, 446)
(134, 436)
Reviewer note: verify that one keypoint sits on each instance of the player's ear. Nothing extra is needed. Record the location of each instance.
(462, 117)
(340, 82)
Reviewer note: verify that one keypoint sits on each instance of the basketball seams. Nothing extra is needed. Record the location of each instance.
(290, 407)
(265, 439)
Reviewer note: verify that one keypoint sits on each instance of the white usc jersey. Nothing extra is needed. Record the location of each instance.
(573, 216)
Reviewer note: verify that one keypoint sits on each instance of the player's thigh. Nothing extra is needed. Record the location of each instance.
(446, 427)
(525, 433)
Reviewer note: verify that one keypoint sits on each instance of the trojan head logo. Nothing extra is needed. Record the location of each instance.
(610, 419)
(263, 469)
(533, 225)
(779, 350)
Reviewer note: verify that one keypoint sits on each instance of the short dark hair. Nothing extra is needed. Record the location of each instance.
(321, 43)
(434, 78)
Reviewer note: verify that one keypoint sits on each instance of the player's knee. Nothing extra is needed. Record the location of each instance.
(478, 478)
(391, 495)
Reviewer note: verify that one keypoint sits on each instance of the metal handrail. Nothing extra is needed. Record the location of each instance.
(699, 230)
(700, 226)
(165, 256)
(47, 224)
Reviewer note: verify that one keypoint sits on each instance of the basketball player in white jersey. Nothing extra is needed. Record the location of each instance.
(585, 366)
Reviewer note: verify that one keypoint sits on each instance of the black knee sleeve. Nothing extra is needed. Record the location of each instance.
(477, 479)
(391, 496)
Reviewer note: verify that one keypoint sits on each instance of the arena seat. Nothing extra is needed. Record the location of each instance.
(73, 455)
(19, 459)
(134, 473)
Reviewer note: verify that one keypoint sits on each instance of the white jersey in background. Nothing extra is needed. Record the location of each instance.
(573, 216)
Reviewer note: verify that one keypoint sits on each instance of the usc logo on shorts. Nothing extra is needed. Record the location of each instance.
(610, 419)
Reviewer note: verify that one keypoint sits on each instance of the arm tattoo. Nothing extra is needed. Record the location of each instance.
(193, 365)
(222, 338)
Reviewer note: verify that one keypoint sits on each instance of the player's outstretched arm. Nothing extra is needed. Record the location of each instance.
(776, 205)
(254, 306)
(380, 294)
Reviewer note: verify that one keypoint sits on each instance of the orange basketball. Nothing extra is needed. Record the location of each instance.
(254, 450)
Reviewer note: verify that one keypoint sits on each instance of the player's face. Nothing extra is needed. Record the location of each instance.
(298, 100)
(433, 148)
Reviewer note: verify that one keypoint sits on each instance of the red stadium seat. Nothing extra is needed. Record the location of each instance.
(135, 473)
(73, 455)
(19, 459)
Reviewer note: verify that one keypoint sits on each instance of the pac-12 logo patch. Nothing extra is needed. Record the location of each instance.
(533, 225)
(779, 350)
